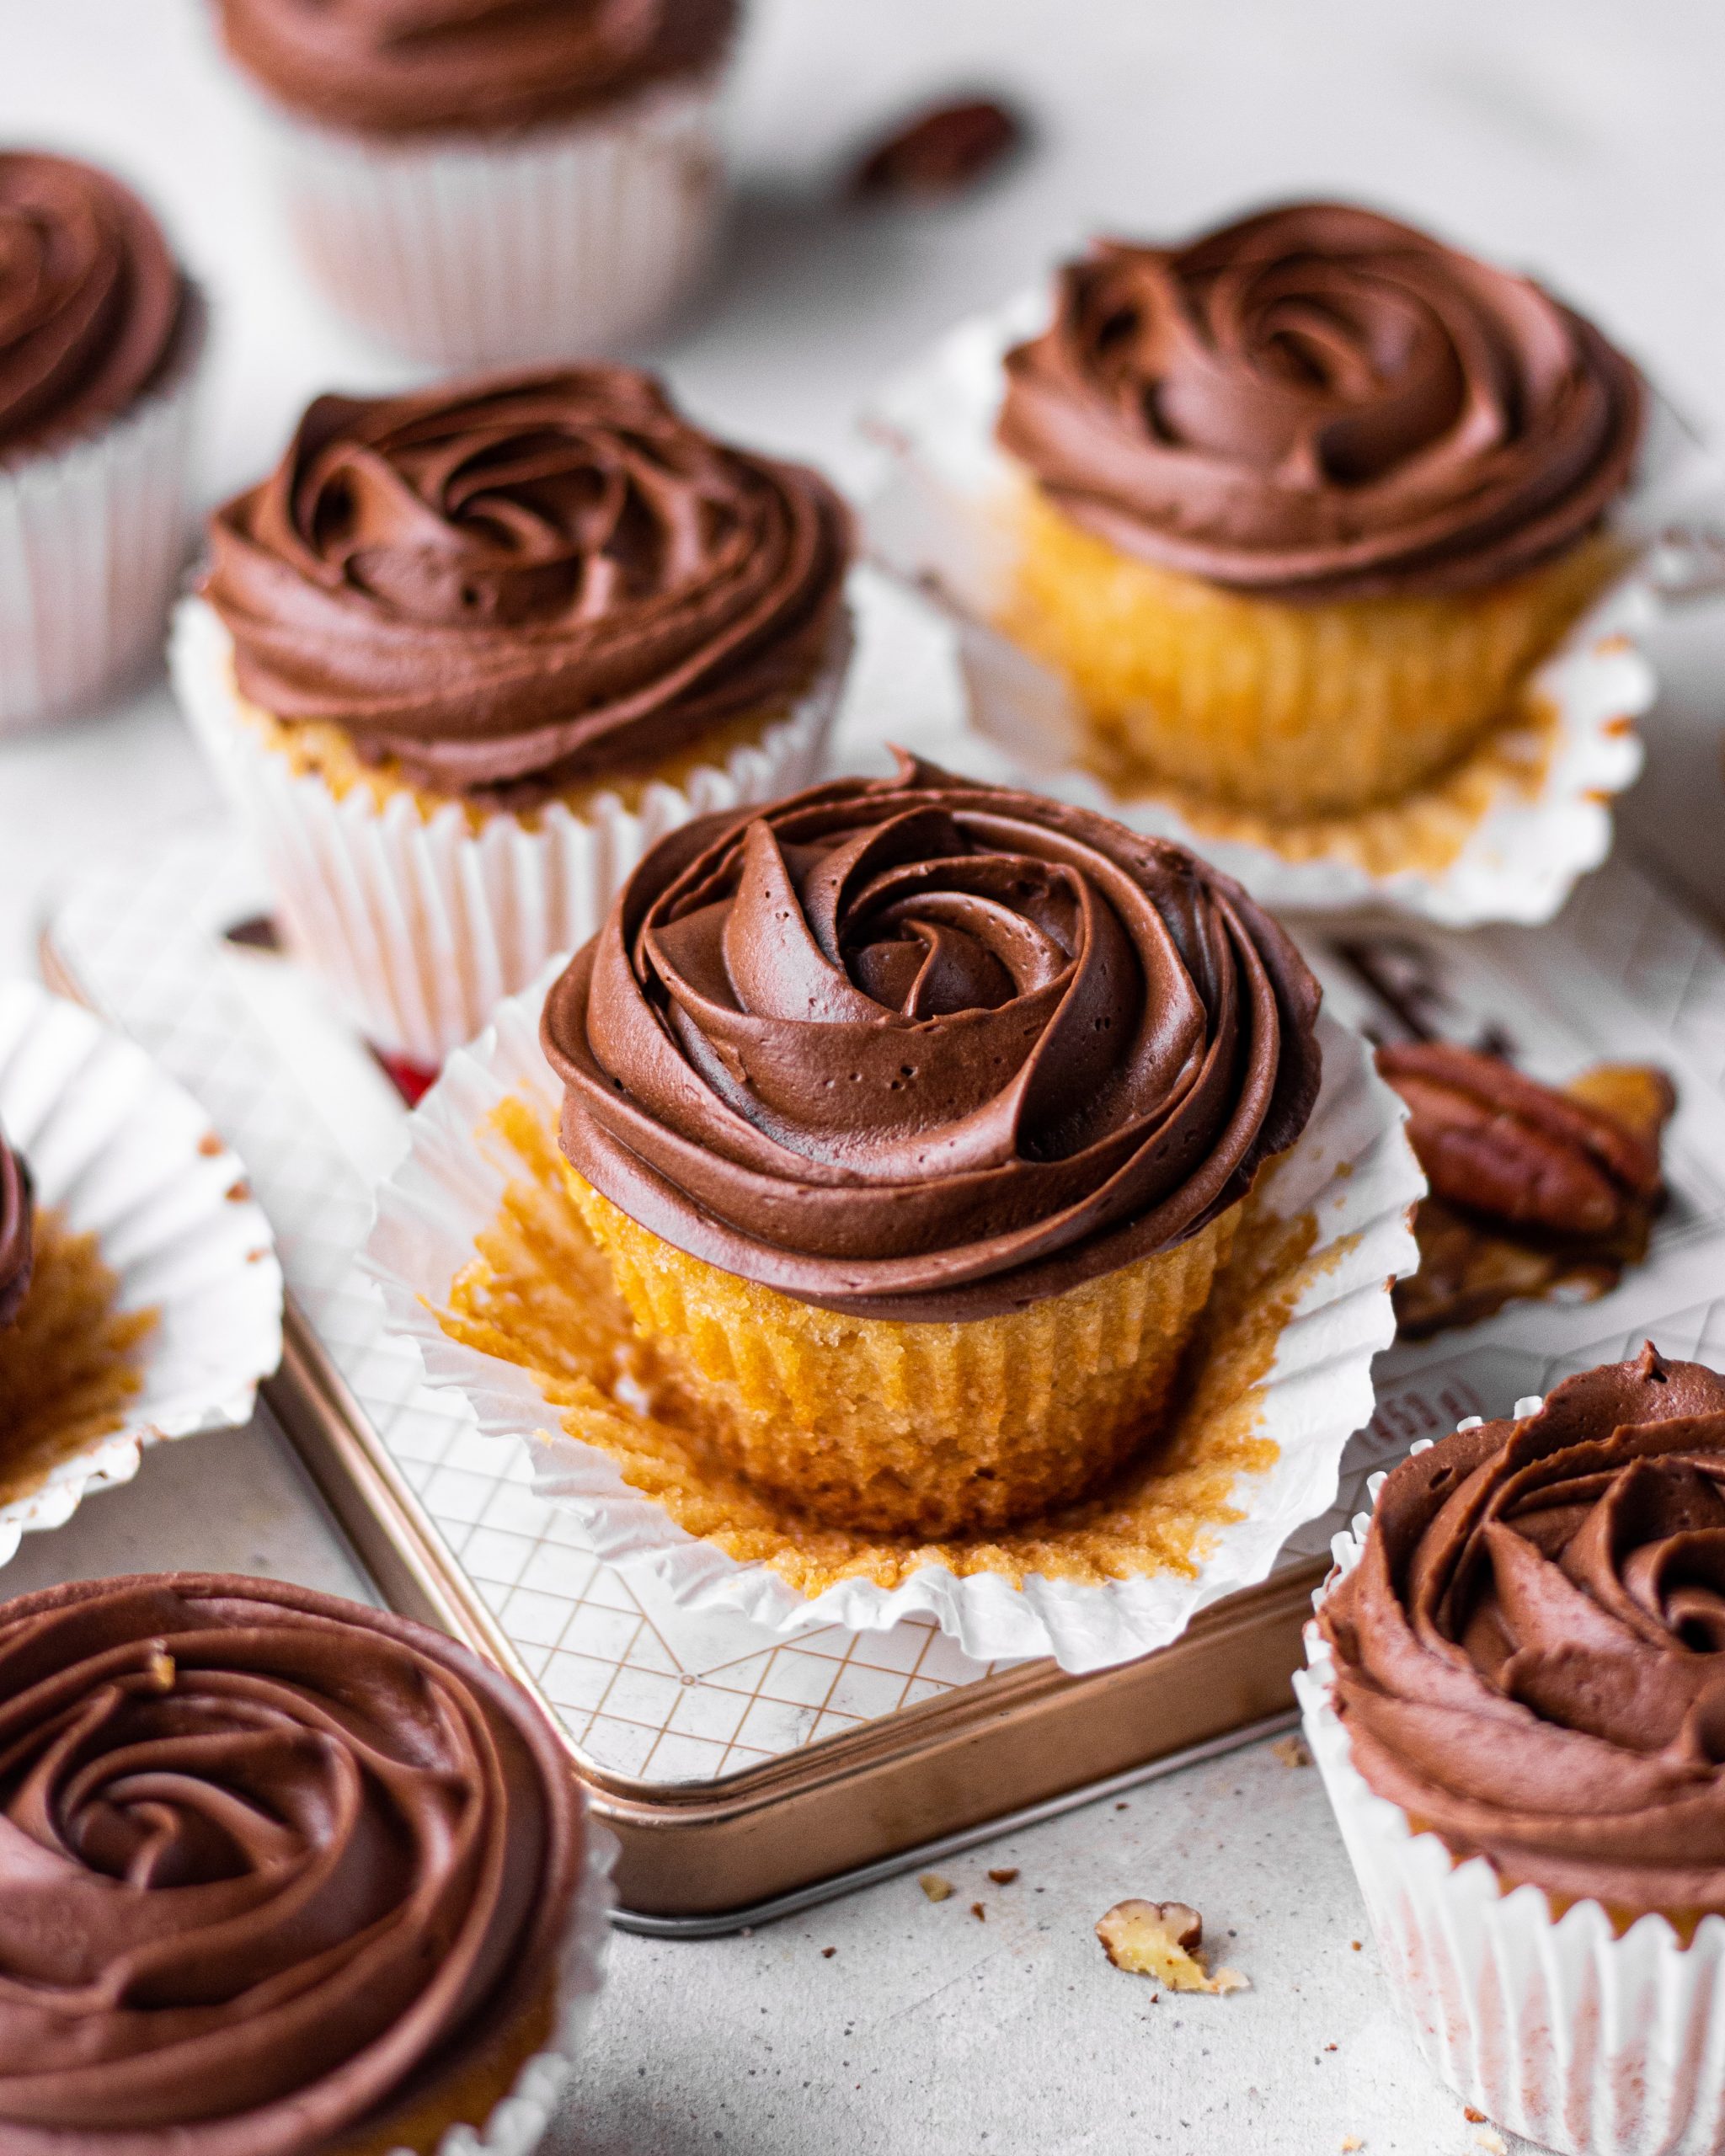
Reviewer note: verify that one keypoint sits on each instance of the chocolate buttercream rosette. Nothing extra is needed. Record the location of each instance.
(140, 1293)
(415, 149)
(101, 338)
(1294, 1305)
(1321, 413)
(1510, 1697)
(283, 1875)
(468, 652)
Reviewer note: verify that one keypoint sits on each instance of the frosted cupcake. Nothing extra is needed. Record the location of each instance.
(914, 1117)
(1305, 500)
(510, 181)
(280, 1876)
(466, 654)
(100, 334)
(1515, 1698)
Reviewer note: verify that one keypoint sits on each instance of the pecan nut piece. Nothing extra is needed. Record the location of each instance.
(1494, 1142)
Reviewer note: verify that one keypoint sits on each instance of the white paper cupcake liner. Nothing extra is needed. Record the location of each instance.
(559, 241)
(121, 1152)
(1353, 1168)
(1555, 2028)
(937, 518)
(519, 2123)
(421, 928)
(92, 540)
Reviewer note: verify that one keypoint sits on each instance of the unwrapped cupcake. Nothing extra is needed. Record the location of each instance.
(100, 338)
(1300, 503)
(509, 181)
(1518, 1700)
(279, 1877)
(466, 653)
(913, 1117)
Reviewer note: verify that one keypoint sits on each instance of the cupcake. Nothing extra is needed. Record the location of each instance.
(1302, 502)
(1515, 1698)
(281, 1876)
(466, 653)
(913, 1118)
(100, 334)
(505, 182)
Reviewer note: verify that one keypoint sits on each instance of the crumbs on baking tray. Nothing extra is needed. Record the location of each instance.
(69, 1361)
(539, 1294)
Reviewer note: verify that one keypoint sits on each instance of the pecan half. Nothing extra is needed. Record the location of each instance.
(1534, 1190)
(942, 150)
(1494, 1142)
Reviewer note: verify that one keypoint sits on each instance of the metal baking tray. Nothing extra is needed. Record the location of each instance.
(747, 1775)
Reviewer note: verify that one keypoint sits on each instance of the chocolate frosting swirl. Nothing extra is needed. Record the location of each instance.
(17, 1232)
(917, 1048)
(1530, 1653)
(266, 1858)
(397, 66)
(1318, 402)
(90, 298)
(525, 580)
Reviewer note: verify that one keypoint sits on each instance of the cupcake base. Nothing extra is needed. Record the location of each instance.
(1256, 703)
(92, 541)
(478, 251)
(872, 1424)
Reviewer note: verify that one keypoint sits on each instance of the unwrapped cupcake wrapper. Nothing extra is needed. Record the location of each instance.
(1556, 2028)
(939, 517)
(519, 2123)
(1353, 1168)
(420, 928)
(554, 243)
(123, 1154)
(92, 541)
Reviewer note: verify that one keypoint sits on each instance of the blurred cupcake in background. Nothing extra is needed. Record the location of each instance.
(1305, 500)
(505, 182)
(465, 654)
(100, 337)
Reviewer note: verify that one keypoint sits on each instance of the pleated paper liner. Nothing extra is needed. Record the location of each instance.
(1502, 835)
(1587, 2039)
(485, 1264)
(155, 1303)
(546, 242)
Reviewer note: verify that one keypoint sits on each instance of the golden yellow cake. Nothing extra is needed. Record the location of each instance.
(912, 1117)
(1302, 505)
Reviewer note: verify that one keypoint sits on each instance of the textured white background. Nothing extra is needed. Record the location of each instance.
(1579, 137)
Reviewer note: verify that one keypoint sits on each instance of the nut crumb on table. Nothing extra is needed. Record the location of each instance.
(1291, 1750)
(1162, 1940)
(936, 1888)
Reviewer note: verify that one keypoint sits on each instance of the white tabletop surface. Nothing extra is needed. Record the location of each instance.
(1580, 137)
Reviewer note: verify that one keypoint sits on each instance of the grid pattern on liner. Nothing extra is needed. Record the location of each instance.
(644, 1688)
(651, 1690)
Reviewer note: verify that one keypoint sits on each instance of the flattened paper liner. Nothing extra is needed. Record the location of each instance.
(1275, 1400)
(120, 1153)
(420, 927)
(1560, 2029)
(538, 243)
(1502, 836)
